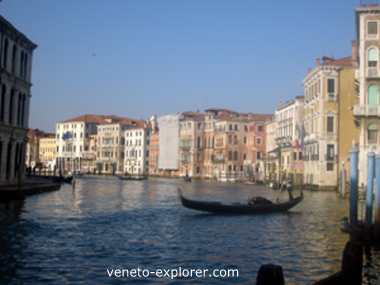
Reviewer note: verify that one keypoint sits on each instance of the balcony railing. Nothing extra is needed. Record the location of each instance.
(373, 73)
(367, 110)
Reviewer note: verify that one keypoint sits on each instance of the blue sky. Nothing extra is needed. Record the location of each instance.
(138, 57)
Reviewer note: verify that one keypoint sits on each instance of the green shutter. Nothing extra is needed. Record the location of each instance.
(373, 95)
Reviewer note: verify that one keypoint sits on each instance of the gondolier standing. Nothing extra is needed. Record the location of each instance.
(289, 188)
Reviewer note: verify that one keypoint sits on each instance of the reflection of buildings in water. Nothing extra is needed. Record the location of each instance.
(11, 211)
(11, 250)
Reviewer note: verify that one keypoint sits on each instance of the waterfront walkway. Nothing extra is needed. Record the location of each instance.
(30, 186)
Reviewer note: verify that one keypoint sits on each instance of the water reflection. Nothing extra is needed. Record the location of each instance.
(71, 236)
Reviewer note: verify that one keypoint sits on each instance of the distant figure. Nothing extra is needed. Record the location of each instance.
(289, 188)
(73, 183)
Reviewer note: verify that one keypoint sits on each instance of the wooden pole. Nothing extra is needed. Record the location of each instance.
(369, 196)
(354, 172)
(377, 197)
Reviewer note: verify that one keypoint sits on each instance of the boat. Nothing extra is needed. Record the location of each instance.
(132, 177)
(257, 205)
(187, 178)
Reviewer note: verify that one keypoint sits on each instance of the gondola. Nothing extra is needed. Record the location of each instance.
(262, 207)
(132, 177)
(187, 178)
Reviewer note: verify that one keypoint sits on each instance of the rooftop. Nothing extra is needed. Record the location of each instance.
(4, 22)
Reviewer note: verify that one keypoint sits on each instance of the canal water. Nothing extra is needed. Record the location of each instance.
(74, 236)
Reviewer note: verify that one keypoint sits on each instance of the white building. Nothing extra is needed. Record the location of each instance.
(368, 110)
(289, 118)
(73, 141)
(137, 140)
(16, 52)
(110, 146)
(168, 158)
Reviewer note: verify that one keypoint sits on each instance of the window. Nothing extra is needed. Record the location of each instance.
(258, 155)
(11, 103)
(294, 156)
(230, 155)
(14, 53)
(260, 128)
(373, 57)
(331, 87)
(235, 155)
(330, 166)
(5, 53)
(2, 102)
(330, 124)
(258, 141)
(245, 140)
(372, 28)
(330, 152)
(244, 156)
(372, 134)
(373, 95)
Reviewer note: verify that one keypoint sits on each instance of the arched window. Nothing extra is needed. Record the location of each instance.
(373, 95)
(373, 57)
(5, 54)
(2, 103)
(372, 133)
(14, 54)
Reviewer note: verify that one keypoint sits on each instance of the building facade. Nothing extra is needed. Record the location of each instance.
(110, 148)
(137, 140)
(367, 110)
(289, 118)
(168, 141)
(191, 144)
(16, 54)
(48, 152)
(272, 153)
(323, 91)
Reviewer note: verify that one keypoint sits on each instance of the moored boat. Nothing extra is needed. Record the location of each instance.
(132, 177)
(256, 206)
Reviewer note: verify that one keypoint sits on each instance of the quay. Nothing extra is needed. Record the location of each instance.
(29, 187)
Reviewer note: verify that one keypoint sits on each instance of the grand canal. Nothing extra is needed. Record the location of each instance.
(73, 236)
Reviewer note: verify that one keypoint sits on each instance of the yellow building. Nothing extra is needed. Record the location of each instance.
(348, 128)
(48, 151)
(329, 124)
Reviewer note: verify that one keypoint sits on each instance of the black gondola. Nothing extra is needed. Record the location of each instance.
(187, 178)
(132, 177)
(262, 206)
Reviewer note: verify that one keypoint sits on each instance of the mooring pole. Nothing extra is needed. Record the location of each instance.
(354, 185)
(343, 182)
(370, 178)
(377, 193)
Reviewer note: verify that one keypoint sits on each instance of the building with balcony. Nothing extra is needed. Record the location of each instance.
(80, 149)
(16, 54)
(48, 152)
(111, 145)
(137, 140)
(191, 144)
(367, 110)
(329, 94)
(289, 118)
(272, 152)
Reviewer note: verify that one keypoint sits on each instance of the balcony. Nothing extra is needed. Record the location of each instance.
(366, 111)
(218, 159)
(373, 73)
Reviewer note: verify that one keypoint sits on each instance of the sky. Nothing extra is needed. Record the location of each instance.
(139, 58)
